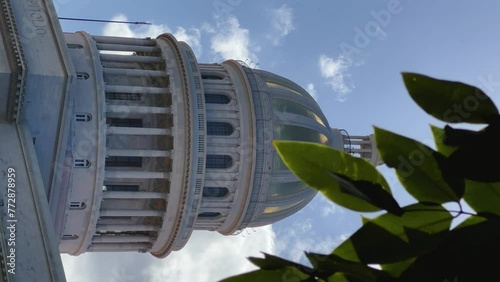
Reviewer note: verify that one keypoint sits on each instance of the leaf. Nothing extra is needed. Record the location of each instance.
(281, 274)
(320, 167)
(468, 161)
(483, 197)
(327, 265)
(384, 239)
(418, 167)
(372, 193)
(468, 252)
(450, 101)
(270, 262)
(395, 269)
(439, 139)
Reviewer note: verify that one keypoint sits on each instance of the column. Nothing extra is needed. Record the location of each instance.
(137, 153)
(131, 174)
(133, 195)
(130, 58)
(133, 213)
(127, 89)
(138, 131)
(118, 247)
(124, 40)
(125, 227)
(125, 109)
(121, 239)
(135, 72)
(129, 48)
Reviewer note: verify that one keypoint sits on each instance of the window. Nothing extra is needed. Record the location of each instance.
(124, 161)
(216, 99)
(121, 188)
(286, 106)
(283, 87)
(75, 46)
(123, 96)
(209, 214)
(212, 76)
(218, 161)
(299, 133)
(77, 206)
(82, 76)
(83, 117)
(81, 163)
(274, 209)
(124, 122)
(219, 128)
(279, 189)
(214, 192)
(69, 237)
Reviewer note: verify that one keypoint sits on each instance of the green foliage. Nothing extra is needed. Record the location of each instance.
(450, 101)
(415, 242)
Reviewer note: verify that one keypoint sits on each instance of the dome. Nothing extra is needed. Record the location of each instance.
(283, 111)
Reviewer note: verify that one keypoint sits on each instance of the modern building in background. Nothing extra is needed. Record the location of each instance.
(130, 144)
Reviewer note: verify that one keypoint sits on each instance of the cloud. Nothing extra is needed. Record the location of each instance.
(208, 256)
(230, 40)
(282, 24)
(311, 90)
(191, 36)
(335, 71)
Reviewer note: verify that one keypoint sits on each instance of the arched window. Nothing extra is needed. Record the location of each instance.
(82, 76)
(216, 99)
(214, 192)
(209, 214)
(219, 128)
(81, 163)
(83, 117)
(218, 161)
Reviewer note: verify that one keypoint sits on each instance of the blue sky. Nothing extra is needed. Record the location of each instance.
(349, 55)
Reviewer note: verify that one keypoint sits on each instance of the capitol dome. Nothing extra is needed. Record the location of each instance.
(285, 111)
(162, 145)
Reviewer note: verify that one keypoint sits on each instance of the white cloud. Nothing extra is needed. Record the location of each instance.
(282, 24)
(208, 256)
(311, 90)
(335, 71)
(230, 40)
(191, 36)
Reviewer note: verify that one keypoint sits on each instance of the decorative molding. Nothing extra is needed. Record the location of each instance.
(17, 61)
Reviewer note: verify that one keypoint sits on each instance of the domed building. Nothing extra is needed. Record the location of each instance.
(131, 144)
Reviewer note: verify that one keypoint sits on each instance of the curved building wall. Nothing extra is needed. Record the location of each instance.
(163, 146)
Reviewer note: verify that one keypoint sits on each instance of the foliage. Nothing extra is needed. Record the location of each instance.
(415, 242)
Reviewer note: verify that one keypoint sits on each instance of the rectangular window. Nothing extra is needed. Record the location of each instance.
(122, 188)
(124, 122)
(124, 161)
(123, 96)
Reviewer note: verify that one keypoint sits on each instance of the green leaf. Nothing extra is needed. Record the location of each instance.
(327, 265)
(385, 239)
(270, 262)
(439, 138)
(337, 175)
(450, 101)
(281, 274)
(395, 269)
(418, 167)
(483, 197)
(468, 252)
